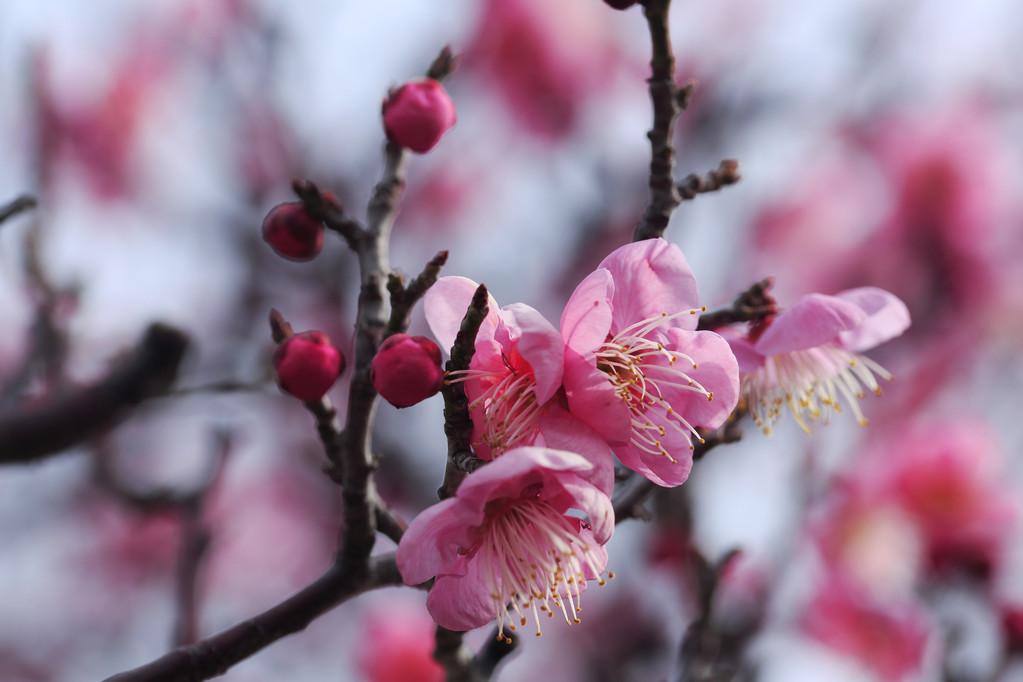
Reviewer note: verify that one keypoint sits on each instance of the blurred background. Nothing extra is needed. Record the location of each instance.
(879, 141)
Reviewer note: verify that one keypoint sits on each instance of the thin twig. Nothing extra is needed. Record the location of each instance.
(668, 100)
(404, 297)
(753, 305)
(17, 205)
(727, 173)
(37, 431)
(457, 422)
(325, 208)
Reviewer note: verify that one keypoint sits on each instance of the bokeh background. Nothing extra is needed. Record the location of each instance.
(880, 143)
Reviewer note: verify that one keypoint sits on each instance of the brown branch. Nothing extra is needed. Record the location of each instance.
(493, 652)
(753, 305)
(17, 205)
(325, 208)
(37, 431)
(215, 655)
(727, 173)
(404, 297)
(668, 100)
(457, 422)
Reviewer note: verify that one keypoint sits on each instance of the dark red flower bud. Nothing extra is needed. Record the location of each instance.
(621, 4)
(292, 232)
(307, 365)
(406, 369)
(417, 114)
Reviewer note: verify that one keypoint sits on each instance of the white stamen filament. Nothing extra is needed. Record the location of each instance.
(626, 360)
(509, 405)
(532, 558)
(811, 383)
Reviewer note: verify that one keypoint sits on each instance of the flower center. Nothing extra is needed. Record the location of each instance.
(631, 362)
(533, 559)
(811, 383)
(508, 402)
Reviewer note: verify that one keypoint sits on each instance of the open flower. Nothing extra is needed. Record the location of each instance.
(635, 370)
(522, 536)
(809, 359)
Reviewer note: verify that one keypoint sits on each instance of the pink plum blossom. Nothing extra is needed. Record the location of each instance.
(808, 358)
(947, 478)
(397, 645)
(513, 378)
(636, 371)
(521, 536)
(889, 637)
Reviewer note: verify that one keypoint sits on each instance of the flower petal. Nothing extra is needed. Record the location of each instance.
(717, 371)
(887, 317)
(561, 431)
(586, 319)
(445, 304)
(516, 470)
(592, 399)
(748, 358)
(651, 277)
(539, 344)
(813, 321)
(430, 545)
(461, 603)
(658, 468)
(580, 494)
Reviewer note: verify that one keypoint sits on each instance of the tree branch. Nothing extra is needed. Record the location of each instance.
(215, 655)
(727, 173)
(34, 432)
(753, 305)
(17, 205)
(457, 422)
(668, 100)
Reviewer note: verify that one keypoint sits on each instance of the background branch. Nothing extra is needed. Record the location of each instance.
(753, 305)
(727, 173)
(17, 205)
(33, 432)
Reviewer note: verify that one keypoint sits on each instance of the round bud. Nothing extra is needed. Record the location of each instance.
(621, 4)
(406, 369)
(307, 365)
(417, 114)
(292, 232)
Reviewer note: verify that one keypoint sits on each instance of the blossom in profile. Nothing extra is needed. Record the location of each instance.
(947, 478)
(519, 540)
(809, 360)
(636, 371)
(512, 380)
(890, 637)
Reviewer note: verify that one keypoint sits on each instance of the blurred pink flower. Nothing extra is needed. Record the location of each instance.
(626, 327)
(809, 358)
(889, 638)
(543, 58)
(397, 645)
(947, 477)
(511, 538)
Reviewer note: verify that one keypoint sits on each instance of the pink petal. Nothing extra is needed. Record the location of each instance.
(815, 320)
(657, 468)
(461, 603)
(748, 358)
(592, 399)
(887, 317)
(651, 277)
(516, 470)
(445, 305)
(586, 319)
(717, 371)
(579, 494)
(561, 431)
(430, 545)
(539, 344)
